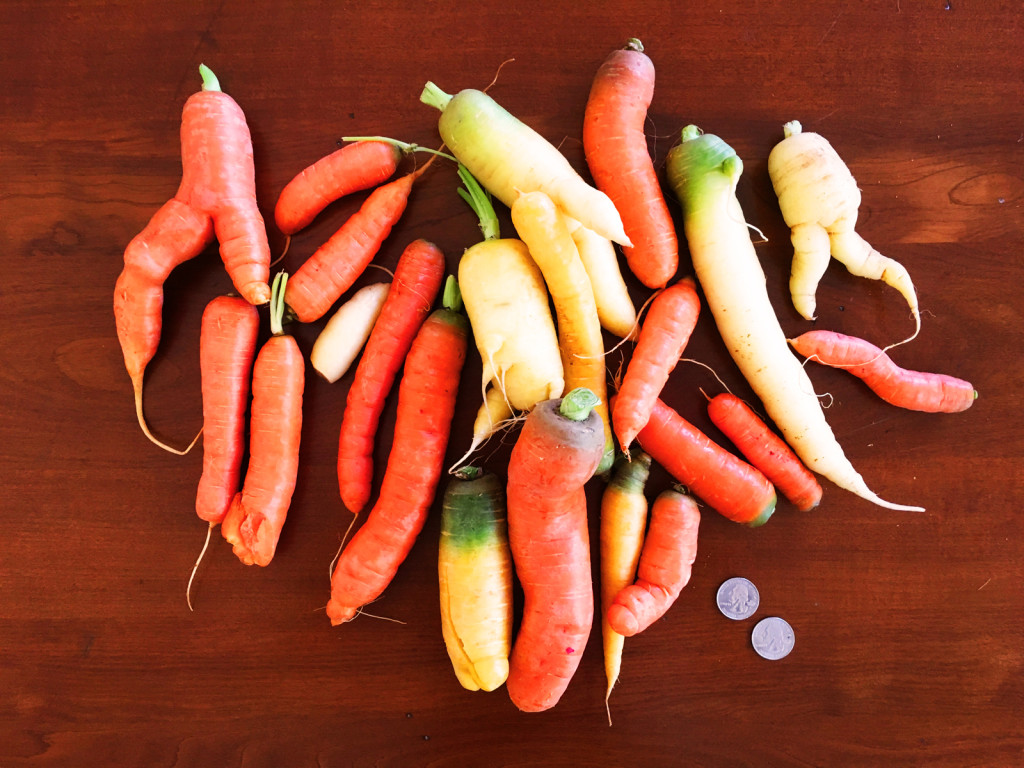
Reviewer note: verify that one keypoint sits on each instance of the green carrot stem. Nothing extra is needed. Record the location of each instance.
(210, 81)
(452, 298)
(434, 96)
(468, 473)
(480, 202)
(577, 404)
(277, 305)
(405, 146)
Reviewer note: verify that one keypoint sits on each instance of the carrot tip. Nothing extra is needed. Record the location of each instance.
(137, 386)
(766, 513)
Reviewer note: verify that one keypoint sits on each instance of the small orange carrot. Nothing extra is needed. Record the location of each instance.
(417, 281)
(725, 482)
(257, 514)
(426, 405)
(765, 450)
(352, 168)
(227, 346)
(663, 336)
(915, 390)
(616, 150)
(666, 563)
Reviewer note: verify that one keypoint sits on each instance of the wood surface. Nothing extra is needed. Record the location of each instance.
(909, 644)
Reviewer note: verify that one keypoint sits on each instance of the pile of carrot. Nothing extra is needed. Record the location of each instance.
(537, 308)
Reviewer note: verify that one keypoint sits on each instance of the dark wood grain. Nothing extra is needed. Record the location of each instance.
(909, 638)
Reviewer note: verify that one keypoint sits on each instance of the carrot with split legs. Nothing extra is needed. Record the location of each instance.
(417, 280)
(257, 514)
(620, 162)
(765, 450)
(914, 390)
(666, 564)
(426, 405)
(663, 336)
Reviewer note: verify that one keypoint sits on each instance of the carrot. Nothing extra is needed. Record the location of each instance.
(616, 151)
(666, 563)
(257, 514)
(352, 168)
(175, 234)
(227, 346)
(729, 485)
(417, 280)
(765, 450)
(426, 405)
(663, 336)
(219, 180)
(559, 448)
(623, 521)
(915, 390)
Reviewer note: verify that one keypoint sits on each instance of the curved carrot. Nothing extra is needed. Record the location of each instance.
(666, 563)
(219, 180)
(559, 448)
(663, 336)
(257, 514)
(725, 482)
(765, 450)
(618, 158)
(227, 346)
(426, 405)
(915, 390)
(417, 280)
(352, 168)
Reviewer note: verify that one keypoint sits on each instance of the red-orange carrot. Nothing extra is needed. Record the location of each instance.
(765, 450)
(616, 150)
(664, 334)
(417, 281)
(915, 390)
(219, 180)
(352, 168)
(666, 562)
(426, 405)
(175, 234)
(227, 346)
(729, 485)
(257, 514)
(558, 450)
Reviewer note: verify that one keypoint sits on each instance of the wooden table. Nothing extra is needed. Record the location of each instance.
(909, 648)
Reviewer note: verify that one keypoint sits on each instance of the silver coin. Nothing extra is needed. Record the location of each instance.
(738, 598)
(773, 638)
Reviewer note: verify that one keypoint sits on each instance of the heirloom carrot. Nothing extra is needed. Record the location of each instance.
(616, 150)
(558, 450)
(426, 405)
(257, 514)
(915, 390)
(417, 280)
(765, 450)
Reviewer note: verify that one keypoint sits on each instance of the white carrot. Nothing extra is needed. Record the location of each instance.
(347, 331)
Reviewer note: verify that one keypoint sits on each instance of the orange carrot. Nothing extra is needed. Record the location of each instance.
(417, 280)
(426, 405)
(664, 334)
(725, 482)
(227, 346)
(353, 168)
(257, 514)
(559, 448)
(618, 158)
(665, 564)
(219, 180)
(765, 450)
(175, 234)
(915, 390)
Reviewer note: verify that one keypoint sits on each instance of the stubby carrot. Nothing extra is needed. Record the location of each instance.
(663, 336)
(559, 448)
(915, 390)
(257, 514)
(616, 150)
(426, 405)
(666, 563)
(729, 485)
(417, 280)
(765, 450)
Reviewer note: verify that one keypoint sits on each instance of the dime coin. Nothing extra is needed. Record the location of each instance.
(738, 598)
(773, 638)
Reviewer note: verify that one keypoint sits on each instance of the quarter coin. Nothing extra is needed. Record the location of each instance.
(773, 638)
(738, 598)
